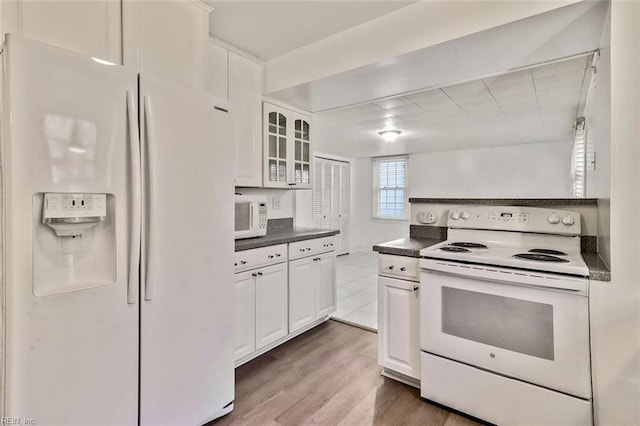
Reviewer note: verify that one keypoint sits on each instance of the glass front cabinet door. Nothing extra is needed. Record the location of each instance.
(287, 148)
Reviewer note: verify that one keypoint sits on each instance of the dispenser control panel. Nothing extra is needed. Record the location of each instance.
(59, 206)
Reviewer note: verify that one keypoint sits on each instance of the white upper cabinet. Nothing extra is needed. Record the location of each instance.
(167, 39)
(245, 98)
(216, 77)
(287, 148)
(90, 27)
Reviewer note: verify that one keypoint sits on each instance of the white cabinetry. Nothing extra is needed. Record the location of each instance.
(216, 77)
(271, 304)
(398, 319)
(245, 314)
(301, 293)
(167, 39)
(312, 281)
(90, 27)
(245, 97)
(286, 148)
(235, 77)
(260, 298)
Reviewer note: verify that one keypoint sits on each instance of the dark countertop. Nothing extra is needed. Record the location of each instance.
(533, 202)
(283, 237)
(409, 247)
(598, 270)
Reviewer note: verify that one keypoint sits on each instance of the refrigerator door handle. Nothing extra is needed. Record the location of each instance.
(151, 186)
(134, 250)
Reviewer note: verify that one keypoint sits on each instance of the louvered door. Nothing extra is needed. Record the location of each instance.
(331, 198)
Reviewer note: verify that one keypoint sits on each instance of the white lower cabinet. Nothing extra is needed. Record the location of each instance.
(326, 297)
(245, 314)
(312, 289)
(301, 293)
(271, 304)
(260, 308)
(399, 325)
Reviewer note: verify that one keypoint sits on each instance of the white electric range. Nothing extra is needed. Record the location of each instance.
(504, 319)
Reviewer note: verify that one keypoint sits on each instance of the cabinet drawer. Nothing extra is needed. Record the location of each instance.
(306, 248)
(399, 267)
(263, 256)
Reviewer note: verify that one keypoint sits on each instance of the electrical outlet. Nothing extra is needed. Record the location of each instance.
(276, 203)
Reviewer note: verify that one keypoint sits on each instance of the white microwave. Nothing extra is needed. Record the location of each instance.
(251, 216)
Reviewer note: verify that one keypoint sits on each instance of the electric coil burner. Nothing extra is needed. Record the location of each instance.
(540, 257)
(469, 245)
(504, 310)
(548, 251)
(455, 249)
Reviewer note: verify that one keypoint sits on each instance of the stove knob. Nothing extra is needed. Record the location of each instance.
(553, 219)
(465, 215)
(455, 215)
(568, 220)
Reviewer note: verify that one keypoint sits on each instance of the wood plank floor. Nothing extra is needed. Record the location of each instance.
(328, 376)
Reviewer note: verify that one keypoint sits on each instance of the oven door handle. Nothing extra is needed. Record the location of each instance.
(572, 285)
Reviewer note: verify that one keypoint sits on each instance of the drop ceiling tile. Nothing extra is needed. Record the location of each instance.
(472, 91)
(393, 102)
(408, 108)
(363, 108)
(571, 80)
(429, 96)
(520, 100)
(450, 108)
(560, 67)
(523, 88)
(485, 104)
(509, 78)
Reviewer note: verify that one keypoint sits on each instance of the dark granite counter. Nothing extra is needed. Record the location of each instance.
(598, 270)
(283, 237)
(531, 202)
(409, 247)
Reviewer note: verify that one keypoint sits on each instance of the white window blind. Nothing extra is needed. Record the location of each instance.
(390, 188)
(578, 160)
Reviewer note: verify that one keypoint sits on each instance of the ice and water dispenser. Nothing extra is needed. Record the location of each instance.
(74, 245)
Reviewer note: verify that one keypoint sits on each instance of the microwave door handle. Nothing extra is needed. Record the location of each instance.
(250, 216)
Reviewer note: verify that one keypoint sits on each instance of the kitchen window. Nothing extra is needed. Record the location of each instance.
(578, 160)
(390, 188)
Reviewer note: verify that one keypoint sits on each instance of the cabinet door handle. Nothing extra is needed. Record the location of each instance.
(243, 262)
(259, 274)
(403, 269)
(391, 268)
(254, 275)
(308, 249)
(270, 256)
(416, 288)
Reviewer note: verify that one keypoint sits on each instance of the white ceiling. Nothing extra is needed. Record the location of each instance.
(560, 33)
(532, 105)
(267, 29)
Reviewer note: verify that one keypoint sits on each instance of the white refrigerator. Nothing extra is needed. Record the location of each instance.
(117, 244)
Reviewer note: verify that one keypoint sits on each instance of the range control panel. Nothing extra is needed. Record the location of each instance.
(511, 218)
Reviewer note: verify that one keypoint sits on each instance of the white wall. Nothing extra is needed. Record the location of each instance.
(538, 170)
(286, 201)
(615, 306)
(366, 231)
(516, 171)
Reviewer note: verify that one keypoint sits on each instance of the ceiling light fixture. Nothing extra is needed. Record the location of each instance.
(390, 135)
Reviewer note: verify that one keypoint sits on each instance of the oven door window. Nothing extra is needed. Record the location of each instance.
(243, 216)
(521, 326)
